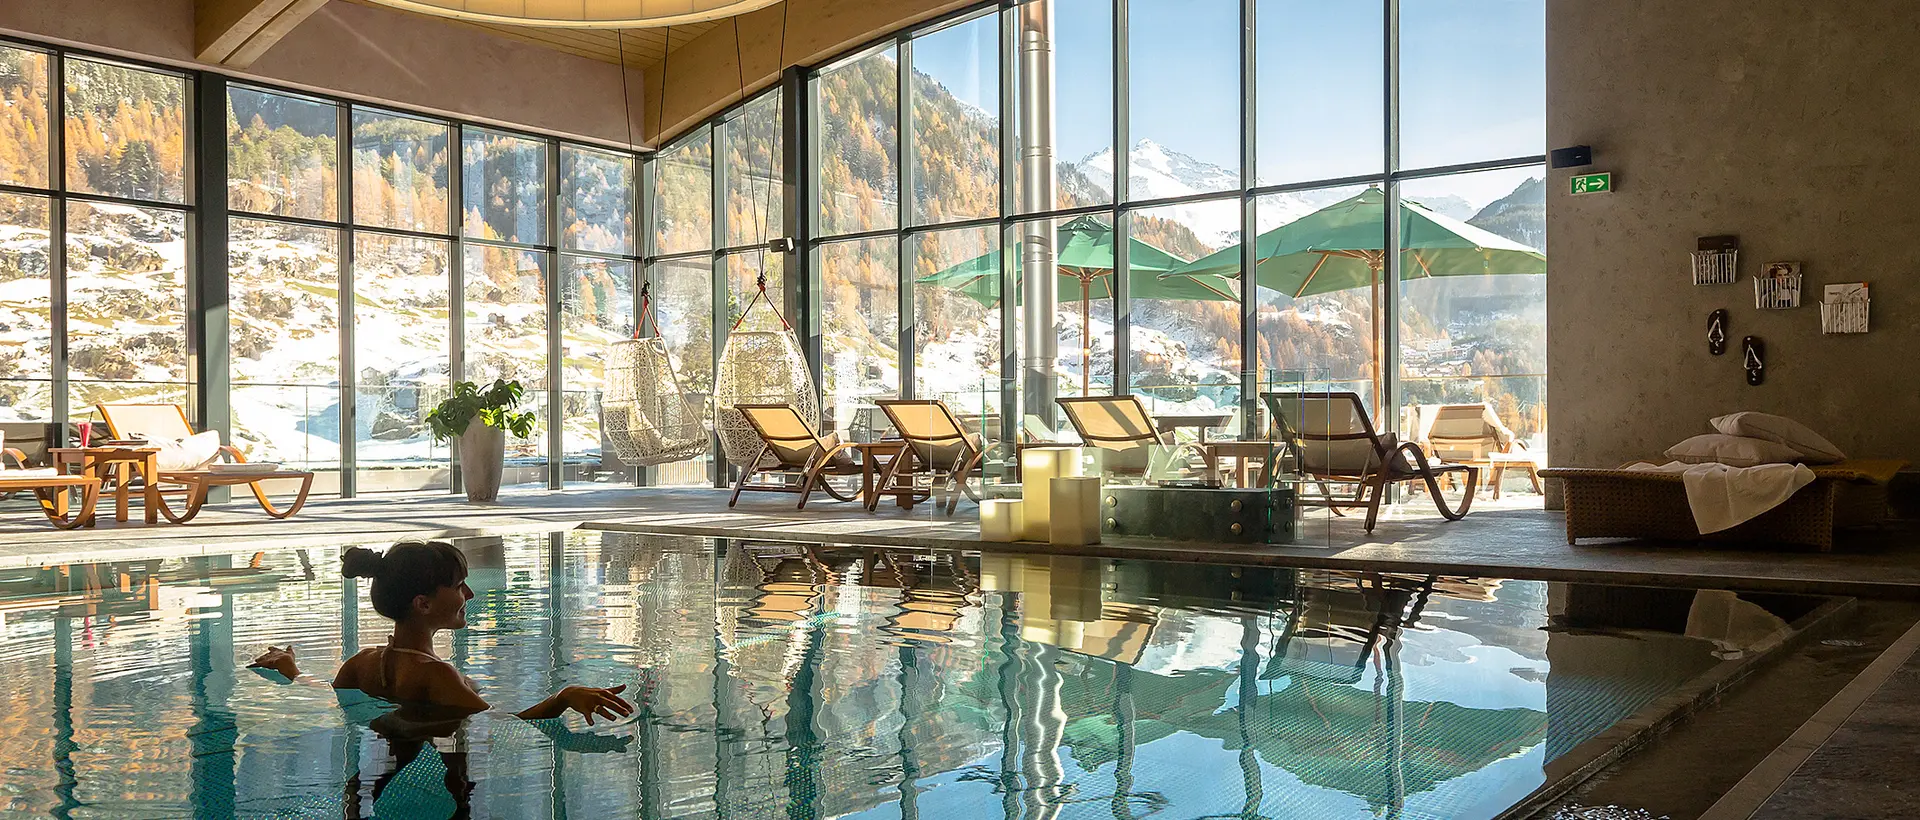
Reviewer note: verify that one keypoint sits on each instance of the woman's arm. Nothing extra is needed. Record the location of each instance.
(586, 700)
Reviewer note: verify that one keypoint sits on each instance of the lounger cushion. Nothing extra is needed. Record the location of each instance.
(1812, 447)
(1733, 451)
(191, 453)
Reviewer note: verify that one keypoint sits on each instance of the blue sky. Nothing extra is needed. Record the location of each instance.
(1473, 81)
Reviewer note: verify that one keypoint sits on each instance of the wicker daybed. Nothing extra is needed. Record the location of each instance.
(1637, 504)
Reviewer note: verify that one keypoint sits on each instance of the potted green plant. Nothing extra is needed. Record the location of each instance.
(479, 420)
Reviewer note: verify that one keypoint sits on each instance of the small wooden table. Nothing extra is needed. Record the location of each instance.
(874, 457)
(99, 462)
(1201, 422)
(1242, 452)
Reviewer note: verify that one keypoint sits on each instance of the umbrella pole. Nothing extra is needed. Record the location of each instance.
(1086, 337)
(1373, 338)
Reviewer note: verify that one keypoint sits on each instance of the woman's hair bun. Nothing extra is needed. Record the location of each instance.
(360, 562)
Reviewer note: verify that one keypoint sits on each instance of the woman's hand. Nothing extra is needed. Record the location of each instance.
(277, 659)
(590, 702)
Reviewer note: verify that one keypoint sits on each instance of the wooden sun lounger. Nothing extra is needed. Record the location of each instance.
(51, 491)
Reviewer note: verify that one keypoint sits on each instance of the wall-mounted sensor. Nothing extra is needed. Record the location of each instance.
(1574, 157)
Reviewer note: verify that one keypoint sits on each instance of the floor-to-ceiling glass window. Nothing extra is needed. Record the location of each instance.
(283, 155)
(126, 263)
(103, 273)
(506, 268)
(1472, 307)
(680, 278)
(597, 274)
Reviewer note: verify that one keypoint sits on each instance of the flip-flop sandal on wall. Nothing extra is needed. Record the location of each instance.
(1756, 353)
(1717, 332)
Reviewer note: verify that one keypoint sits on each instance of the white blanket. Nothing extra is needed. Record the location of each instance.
(1724, 497)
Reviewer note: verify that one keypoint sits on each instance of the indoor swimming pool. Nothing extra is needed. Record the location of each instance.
(817, 681)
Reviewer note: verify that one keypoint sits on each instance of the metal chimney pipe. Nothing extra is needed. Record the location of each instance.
(1040, 346)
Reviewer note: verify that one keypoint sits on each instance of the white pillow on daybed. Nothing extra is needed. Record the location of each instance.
(1812, 447)
(1733, 451)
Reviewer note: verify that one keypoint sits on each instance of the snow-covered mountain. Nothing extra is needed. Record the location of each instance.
(1155, 171)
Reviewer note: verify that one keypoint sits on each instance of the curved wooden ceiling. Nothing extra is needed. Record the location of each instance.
(643, 47)
(573, 14)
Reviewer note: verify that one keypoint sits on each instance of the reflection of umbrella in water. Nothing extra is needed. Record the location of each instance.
(1343, 247)
(1083, 253)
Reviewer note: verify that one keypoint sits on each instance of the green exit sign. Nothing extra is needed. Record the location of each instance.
(1591, 184)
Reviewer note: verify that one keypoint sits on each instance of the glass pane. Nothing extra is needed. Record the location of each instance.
(1473, 80)
(401, 330)
(400, 172)
(743, 274)
(1316, 332)
(754, 167)
(126, 131)
(1080, 148)
(683, 305)
(860, 145)
(127, 304)
(503, 187)
(506, 327)
(1322, 93)
(860, 309)
(596, 310)
(23, 117)
(683, 195)
(26, 310)
(956, 122)
(1184, 75)
(282, 155)
(285, 342)
(596, 200)
(1184, 334)
(956, 323)
(1473, 326)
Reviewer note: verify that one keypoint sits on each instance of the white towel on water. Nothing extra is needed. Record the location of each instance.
(1724, 497)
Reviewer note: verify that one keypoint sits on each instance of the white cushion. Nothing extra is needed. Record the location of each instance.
(1733, 451)
(1813, 447)
(194, 452)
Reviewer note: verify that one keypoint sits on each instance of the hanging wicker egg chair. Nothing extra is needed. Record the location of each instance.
(760, 367)
(645, 413)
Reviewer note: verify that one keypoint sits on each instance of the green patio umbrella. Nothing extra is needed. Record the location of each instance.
(1083, 254)
(1342, 247)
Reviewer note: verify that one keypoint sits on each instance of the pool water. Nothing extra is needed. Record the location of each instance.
(795, 681)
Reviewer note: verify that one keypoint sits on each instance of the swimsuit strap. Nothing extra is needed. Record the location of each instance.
(380, 669)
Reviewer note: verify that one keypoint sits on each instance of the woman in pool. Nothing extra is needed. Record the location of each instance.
(422, 586)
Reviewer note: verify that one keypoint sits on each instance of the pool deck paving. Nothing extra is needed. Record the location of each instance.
(1852, 759)
(1504, 541)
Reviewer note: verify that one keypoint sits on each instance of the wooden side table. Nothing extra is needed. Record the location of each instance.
(874, 458)
(99, 462)
(1242, 452)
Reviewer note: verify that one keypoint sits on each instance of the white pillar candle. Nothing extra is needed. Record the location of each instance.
(1039, 466)
(1000, 519)
(1075, 511)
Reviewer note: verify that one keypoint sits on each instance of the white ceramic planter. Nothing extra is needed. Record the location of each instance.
(483, 452)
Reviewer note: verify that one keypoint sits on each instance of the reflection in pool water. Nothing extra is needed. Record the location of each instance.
(811, 682)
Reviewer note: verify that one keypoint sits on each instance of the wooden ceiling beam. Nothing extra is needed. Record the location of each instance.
(236, 32)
